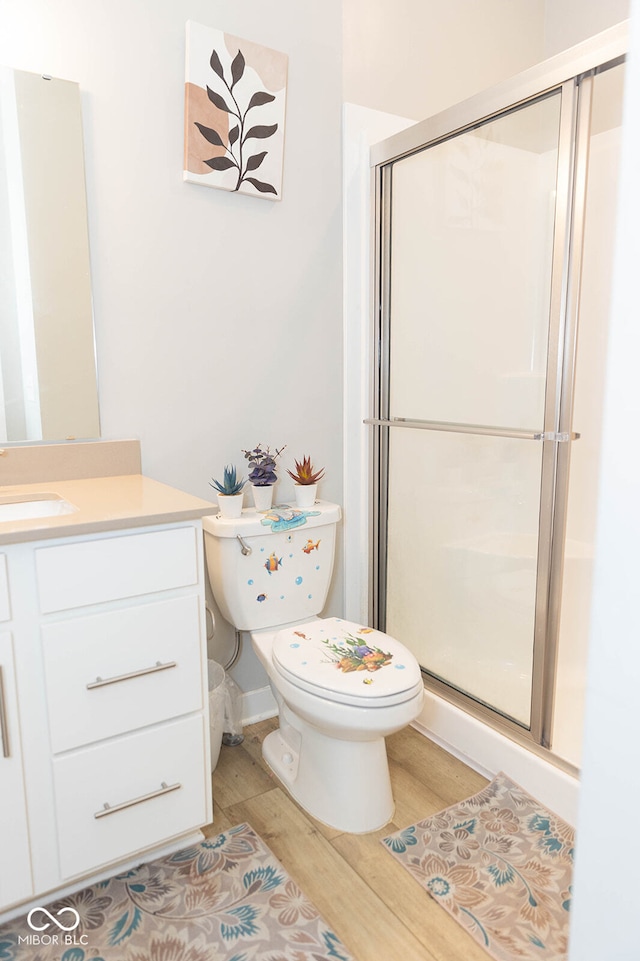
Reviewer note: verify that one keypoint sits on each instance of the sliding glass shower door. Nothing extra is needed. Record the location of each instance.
(471, 282)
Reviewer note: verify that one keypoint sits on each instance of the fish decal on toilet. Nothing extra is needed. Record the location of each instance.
(311, 546)
(261, 597)
(354, 654)
(272, 563)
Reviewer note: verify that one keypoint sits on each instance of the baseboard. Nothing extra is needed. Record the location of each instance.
(488, 751)
(258, 705)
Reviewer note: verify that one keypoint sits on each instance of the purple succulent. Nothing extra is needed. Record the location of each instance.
(263, 465)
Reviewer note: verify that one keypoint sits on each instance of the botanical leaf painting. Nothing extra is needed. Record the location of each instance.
(235, 97)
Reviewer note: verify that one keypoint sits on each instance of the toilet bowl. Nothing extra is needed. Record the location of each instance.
(340, 687)
(329, 750)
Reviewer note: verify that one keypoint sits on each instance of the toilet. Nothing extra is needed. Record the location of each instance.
(341, 687)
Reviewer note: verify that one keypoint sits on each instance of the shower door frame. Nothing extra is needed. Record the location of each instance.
(572, 74)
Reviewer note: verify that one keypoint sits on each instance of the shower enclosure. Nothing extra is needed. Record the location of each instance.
(494, 225)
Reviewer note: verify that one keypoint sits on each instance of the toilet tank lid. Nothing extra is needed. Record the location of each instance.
(346, 658)
(282, 517)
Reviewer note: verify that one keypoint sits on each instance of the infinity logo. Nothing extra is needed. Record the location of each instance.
(59, 924)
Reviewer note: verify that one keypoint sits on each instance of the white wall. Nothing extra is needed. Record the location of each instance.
(604, 918)
(218, 316)
(417, 57)
(567, 22)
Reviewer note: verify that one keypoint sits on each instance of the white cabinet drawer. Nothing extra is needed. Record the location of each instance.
(154, 782)
(5, 606)
(120, 670)
(94, 571)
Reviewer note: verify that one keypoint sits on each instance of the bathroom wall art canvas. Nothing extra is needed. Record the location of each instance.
(235, 97)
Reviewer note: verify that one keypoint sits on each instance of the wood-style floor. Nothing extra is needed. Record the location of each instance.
(366, 897)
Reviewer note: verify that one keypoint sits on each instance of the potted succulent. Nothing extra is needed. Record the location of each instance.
(262, 474)
(306, 482)
(230, 492)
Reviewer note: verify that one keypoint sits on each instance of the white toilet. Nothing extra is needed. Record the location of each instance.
(341, 688)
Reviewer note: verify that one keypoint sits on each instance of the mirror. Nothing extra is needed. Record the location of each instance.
(48, 387)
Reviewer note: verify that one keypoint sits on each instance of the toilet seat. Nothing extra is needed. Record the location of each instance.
(344, 662)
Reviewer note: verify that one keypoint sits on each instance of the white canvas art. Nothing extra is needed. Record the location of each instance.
(235, 97)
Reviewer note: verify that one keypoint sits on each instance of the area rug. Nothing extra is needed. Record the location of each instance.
(501, 864)
(225, 899)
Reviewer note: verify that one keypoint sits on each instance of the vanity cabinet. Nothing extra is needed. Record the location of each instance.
(107, 709)
(15, 878)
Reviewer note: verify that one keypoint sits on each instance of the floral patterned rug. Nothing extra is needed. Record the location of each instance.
(225, 899)
(501, 864)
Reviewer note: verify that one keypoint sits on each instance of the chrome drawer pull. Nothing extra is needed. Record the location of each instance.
(4, 727)
(111, 809)
(102, 682)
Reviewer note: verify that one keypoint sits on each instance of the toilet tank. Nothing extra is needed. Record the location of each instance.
(285, 571)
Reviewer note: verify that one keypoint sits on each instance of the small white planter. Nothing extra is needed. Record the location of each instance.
(262, 497)
(305, 494)
(230, 504)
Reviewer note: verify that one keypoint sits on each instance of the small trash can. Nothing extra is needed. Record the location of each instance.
(216, 708)
(232, 724)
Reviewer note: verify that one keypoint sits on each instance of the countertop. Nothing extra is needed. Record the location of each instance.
(103, 504)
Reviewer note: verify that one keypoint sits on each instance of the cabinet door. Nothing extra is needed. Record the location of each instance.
(15, 871)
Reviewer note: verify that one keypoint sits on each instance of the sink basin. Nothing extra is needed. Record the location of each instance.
(21, 507)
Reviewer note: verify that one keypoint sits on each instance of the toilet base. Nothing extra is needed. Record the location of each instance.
(344, 784)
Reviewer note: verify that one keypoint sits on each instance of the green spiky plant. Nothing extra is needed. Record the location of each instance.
(305, 474)
(231, 484)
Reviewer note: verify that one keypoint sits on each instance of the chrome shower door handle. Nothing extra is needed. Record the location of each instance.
(477, 429)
